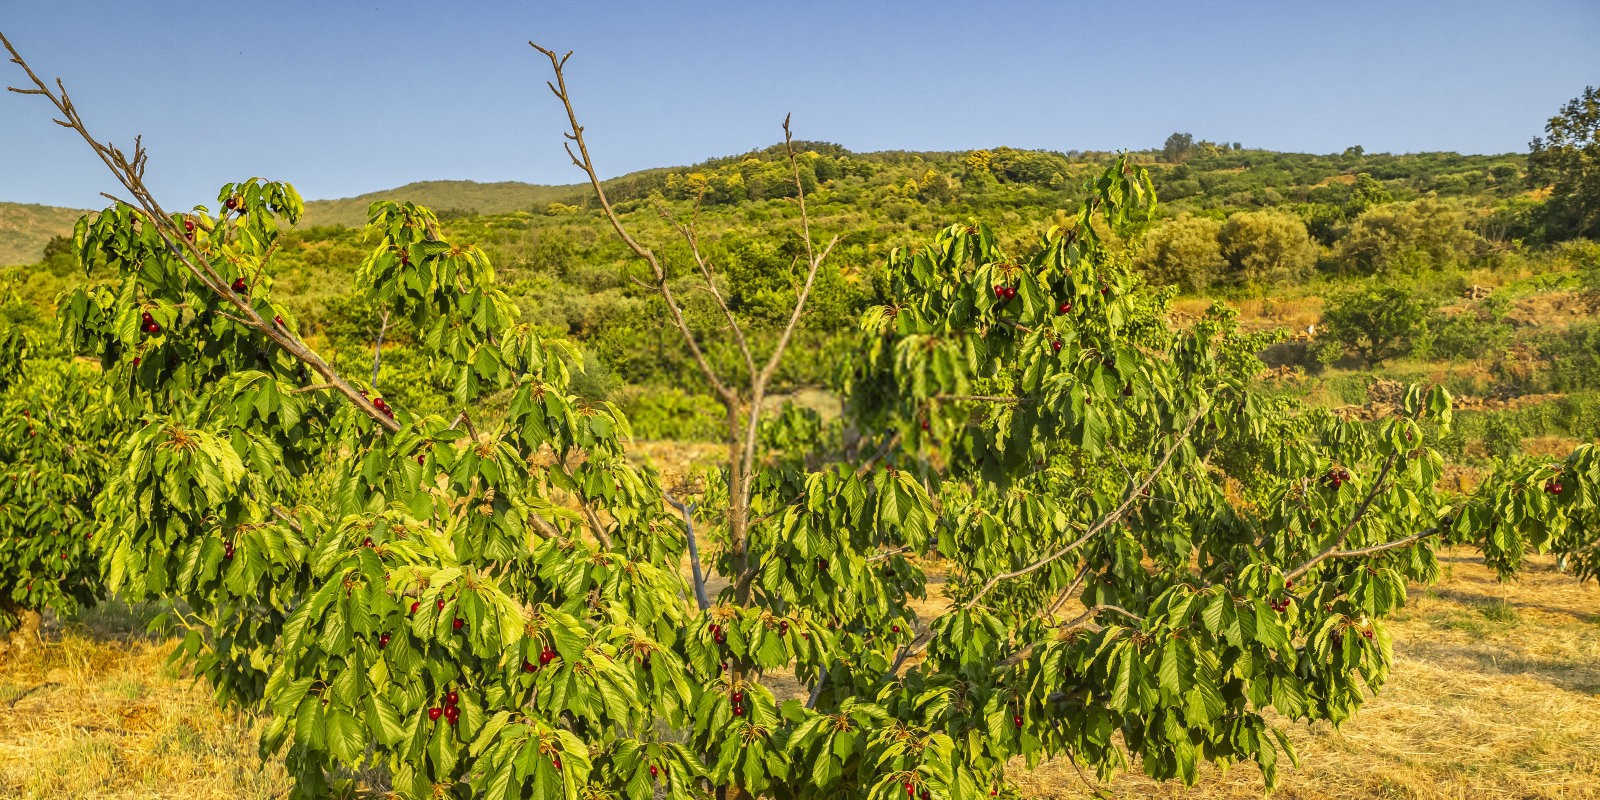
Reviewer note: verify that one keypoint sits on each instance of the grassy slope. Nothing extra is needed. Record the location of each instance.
(25, 228)
(503, 197)
(1496, 692)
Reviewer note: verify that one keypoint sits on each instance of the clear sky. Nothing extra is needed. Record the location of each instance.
(342, 98)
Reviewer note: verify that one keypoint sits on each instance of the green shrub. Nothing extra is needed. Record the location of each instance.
(1377, 323)
(1408, 237)
(1184, 252)
(671, 413)
(1266, 246)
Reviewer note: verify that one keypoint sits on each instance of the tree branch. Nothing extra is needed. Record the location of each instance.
(1106, 521)
(700, 596)
(1344, 533)
(586, 163)
(130, 173)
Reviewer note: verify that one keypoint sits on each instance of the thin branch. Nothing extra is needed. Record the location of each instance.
(1344, 533)
(1109, 519)
(586, 163)
(700, 596)
(130, 173)
(1364, 551)
(377, 348)
(693, 240)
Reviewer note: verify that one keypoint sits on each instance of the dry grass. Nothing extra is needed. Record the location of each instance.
(94, 712)
(1496, 693)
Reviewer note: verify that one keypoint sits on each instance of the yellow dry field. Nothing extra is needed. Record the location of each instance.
(1496, 694)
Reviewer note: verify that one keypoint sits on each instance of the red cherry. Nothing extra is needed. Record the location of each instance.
(451, 698)
(738, 711)
(239, 285)
(894, 629)
(136, 361)
(546, 655)
(911, 791)
(738, 698)
(421, 458)
(1055, 346)
(527, 666)
(555, 761)
(822, 564)
(457, 623)
(452, 714)
(227, 551)
(1010, 292)
(231, 203)
(278, 320)
(1000, 292)
(383, 640)
(415, 605)
(439, 604)
(1016, 719)
(434, 713)
(924, 424)
(367, 542)
(188, 226)
(1367, 634)
(653, 771)
(1064, 307)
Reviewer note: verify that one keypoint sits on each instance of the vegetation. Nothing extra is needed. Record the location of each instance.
(463, 585)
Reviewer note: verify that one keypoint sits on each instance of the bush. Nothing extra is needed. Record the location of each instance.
(1377, 323)
(671, 413)
(1266, 246)
(1424, 234)
(1183, 252)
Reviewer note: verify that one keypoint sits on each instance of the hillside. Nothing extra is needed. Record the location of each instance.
(890, 182)
(446, 197)
(25, 228)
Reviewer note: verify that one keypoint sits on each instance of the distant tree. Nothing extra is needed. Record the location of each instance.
(1355, 151)
(1408, 237)
(1266, 246)
(1377, 323)
(1567, 159)
(1365, 193)
(1183, 252)
(1238, 146)
(1177, 147)
(59, 255)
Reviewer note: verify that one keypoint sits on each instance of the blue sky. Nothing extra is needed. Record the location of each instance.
(343, 98)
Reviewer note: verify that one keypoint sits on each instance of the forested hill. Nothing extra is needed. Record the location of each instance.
(1204, 177)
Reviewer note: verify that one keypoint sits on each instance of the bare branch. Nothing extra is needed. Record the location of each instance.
(693, 240)
(130, 173)
(584, 162)
(377, 348)
(700, 597)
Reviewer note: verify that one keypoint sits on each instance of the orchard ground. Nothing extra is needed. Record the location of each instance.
(1496, 693)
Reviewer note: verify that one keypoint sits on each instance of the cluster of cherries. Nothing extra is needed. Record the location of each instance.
(545, 657)
(1553, 486)
(1282, 604)
(717, 634)
(227, 550)
(738, 702)
(239, 286)
(149, 324)
(1004, 292)
(911, 791)
(451, 712)
(1336, 477)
